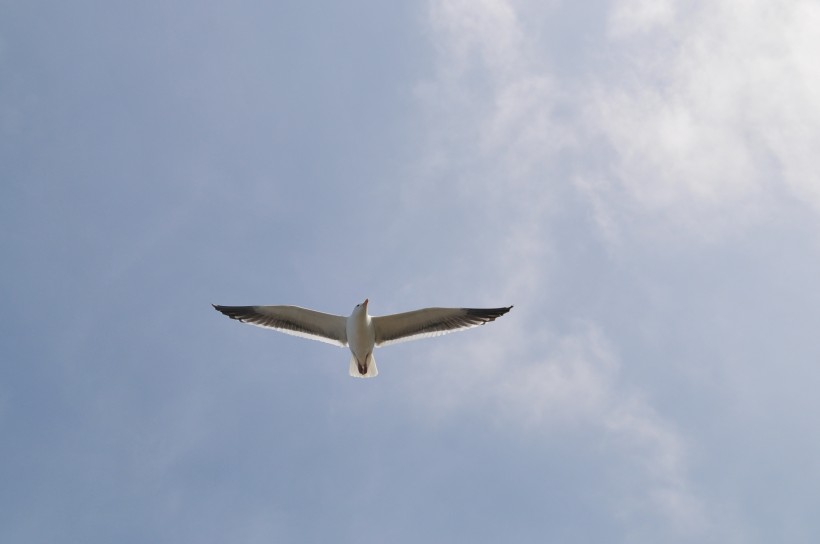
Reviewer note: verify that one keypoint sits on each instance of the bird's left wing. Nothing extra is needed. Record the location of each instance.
(292, 320)
(391, 329)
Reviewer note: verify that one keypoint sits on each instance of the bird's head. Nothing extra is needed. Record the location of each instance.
(362, 307)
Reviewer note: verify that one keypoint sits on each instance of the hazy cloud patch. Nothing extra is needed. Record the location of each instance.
(723, 114)
(549, 387)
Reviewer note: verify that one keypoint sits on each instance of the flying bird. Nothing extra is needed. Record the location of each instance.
(360, 331)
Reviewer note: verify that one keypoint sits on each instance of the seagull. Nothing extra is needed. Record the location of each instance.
(360, 331)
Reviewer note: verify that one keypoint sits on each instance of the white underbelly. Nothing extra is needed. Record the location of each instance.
(361, 337)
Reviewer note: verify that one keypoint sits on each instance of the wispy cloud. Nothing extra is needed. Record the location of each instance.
(700, 120)
(629, 17)
(713, 106)
(545, 384)
(697, 109)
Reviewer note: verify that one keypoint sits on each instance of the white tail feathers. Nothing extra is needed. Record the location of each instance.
(368, 370)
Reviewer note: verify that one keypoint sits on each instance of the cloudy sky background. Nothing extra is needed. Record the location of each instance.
(639, 178)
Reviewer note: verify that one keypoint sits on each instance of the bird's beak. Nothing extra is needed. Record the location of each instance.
(365, 303)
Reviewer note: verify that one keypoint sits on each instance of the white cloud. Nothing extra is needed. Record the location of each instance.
(695, 123)
(502, 121)
(631, 16)
(488, 97)
(542, 384)
(522, 129)
(483, 30)
(725, 114)
(704, 117)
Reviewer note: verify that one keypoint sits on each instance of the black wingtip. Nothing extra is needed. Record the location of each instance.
(230, 311)
(486, 315)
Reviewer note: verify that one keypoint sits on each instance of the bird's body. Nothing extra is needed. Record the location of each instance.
(361, 339)
(361, 332)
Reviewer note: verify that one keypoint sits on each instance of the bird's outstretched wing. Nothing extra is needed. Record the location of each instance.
(391, 329)
(292, 320)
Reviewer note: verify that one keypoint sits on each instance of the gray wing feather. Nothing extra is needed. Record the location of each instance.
(292, 320)
(391, 329)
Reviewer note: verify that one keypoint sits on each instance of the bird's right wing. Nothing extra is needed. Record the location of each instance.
(292, 320)
(391, 329)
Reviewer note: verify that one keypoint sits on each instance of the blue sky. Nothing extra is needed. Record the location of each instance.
(638, 178)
